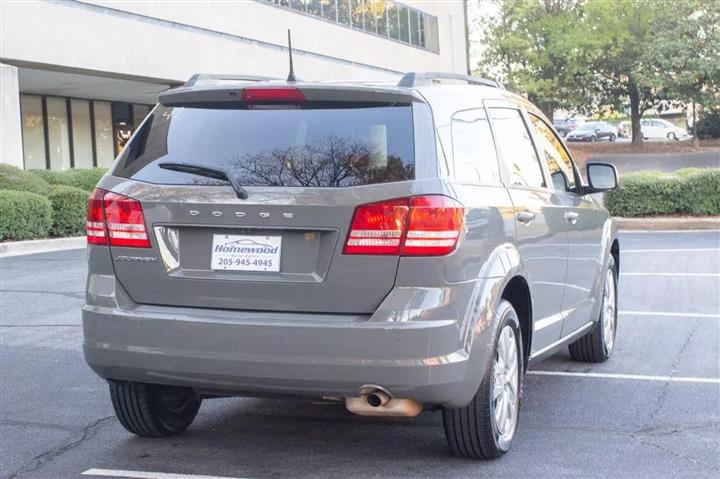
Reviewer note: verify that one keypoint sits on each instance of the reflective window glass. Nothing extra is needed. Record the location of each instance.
(473, 148)
(404, 14)
(103, 134)
(516, 148)
(33, 132)
(81, 133)
(58, 134)
(415, 27)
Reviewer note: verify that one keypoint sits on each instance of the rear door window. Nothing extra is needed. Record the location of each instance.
(513, 141)
(312, 147)
(474, 152)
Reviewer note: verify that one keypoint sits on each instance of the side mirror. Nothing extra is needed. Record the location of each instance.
(597, 130)
(601, 177)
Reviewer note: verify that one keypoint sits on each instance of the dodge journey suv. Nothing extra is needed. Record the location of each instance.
(395, 248)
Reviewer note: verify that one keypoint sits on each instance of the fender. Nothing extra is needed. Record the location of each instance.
(479, 326)
(609, 235)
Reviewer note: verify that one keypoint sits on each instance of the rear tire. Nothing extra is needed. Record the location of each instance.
(597, 346)
(151, 410)
(612, 137)
(474, 431)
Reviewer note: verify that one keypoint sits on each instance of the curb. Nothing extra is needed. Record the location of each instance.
(17, 248)
(668, 224)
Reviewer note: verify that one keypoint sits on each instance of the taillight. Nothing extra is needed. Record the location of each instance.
(95, 221)
(272, 95)
(377, 228)
(427, 225)
(124, 221)
(434, 226)
(115, 220)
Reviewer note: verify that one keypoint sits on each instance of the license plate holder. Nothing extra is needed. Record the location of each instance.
(245, 253)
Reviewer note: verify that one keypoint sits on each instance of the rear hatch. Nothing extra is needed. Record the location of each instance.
(275, 241)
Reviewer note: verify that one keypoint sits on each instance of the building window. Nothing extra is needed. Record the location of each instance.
(104, 146)
(386, 18)
(33, 132)
(81, 133)
(58, 135)
(61, 133)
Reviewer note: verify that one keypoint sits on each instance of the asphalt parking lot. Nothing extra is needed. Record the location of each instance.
(653, 410)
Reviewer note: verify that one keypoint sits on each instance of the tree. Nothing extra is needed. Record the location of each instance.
(587, 54)
(689, 56)
(527, 48)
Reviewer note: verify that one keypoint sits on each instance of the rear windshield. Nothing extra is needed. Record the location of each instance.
(275, 147)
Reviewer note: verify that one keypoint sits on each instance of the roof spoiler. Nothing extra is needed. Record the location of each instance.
(413, 79)
(231, 92)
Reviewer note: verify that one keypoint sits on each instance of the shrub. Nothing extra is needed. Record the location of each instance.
(69, 210)
(709, 125)
(12, 178)
(24, 215)
(701, 193)
(691, 191)
(83, 179)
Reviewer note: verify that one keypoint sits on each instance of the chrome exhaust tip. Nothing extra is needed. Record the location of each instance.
(376, 401)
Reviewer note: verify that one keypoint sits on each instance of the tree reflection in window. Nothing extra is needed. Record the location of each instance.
(332, 162)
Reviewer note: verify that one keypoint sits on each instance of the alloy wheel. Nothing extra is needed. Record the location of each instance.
(609, 319)
(506, 382)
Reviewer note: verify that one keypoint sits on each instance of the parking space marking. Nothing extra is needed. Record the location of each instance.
(698, 275)
(649, 232)
(669, 250)
(672, 314)
(148, 475)
(632, 377)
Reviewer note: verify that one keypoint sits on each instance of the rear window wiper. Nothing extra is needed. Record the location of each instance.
(207, 171)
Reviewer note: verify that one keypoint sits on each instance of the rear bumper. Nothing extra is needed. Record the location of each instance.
(253, 352)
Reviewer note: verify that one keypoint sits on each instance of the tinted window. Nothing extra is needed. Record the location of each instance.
(516, 148)
(278, 147)
(473, 148)
(557, 159)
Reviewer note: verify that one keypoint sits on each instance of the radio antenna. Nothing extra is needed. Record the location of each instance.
(291, 75)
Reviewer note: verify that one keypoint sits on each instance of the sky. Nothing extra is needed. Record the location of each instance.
(478, 9)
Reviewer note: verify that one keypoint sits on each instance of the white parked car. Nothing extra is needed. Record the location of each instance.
(655, 128)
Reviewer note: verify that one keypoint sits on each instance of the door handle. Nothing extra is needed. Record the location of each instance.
(572, 217)
(525, 217)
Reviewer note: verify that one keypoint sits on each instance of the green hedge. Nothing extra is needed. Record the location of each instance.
(690, 191)
(83, 179)
(69, 210)
(24, 215)
(12, 178)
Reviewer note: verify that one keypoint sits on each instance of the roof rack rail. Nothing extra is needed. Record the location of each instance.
(205, 77)
(412, 79)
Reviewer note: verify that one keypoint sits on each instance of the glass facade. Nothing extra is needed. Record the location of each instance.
(61, 133)
(380, 17)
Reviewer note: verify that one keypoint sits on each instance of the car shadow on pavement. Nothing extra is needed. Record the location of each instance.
(294, 437)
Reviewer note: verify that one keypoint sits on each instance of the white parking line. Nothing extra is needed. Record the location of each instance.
(147, 475)
(672, 314)
(632, 377)
(674, 250)
(698, 275)
(642, 232)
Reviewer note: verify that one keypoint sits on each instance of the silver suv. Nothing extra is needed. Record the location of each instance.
(392, 247)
